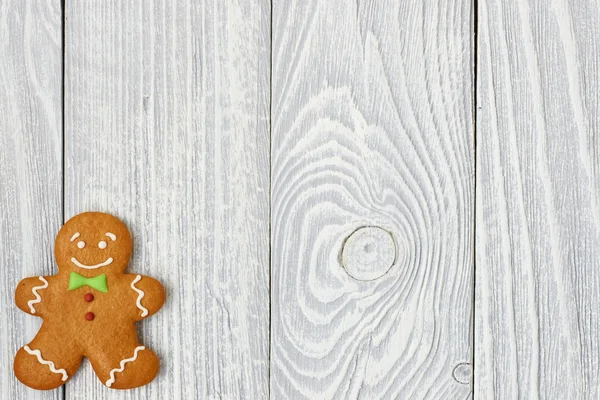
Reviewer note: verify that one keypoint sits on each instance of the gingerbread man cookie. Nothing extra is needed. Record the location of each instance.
(89, 309)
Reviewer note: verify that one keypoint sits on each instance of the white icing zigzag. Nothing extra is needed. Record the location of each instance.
(138, 303)
(37, 299)
(123, 362)
(50, 364)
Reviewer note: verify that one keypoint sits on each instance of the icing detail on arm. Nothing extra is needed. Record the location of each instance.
(112, 236)
(138, 303)
(122, 365)
(38, 298)
(50, 364)
(75, 236)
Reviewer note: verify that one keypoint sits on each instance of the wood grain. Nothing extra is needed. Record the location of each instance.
(538, 196)
(167, 127)
(372, 126)
(30, 167)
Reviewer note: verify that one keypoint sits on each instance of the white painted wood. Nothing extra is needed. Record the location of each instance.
(538, 196)
(372, 126)
(30, 167)
(167, 127)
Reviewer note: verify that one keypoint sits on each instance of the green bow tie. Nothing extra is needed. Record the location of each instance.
(98, 282)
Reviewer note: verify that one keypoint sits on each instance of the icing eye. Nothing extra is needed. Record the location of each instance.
(102, 244)
(81, 245)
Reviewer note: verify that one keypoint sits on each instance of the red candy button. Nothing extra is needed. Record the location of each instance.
(88, 297)
(89, 316)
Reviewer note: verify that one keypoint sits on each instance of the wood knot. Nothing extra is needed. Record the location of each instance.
(368, 253)
(463, 373)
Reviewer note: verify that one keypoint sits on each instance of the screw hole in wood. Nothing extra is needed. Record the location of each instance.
(463, 373)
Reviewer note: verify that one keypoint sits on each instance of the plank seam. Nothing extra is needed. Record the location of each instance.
(475, 108)
(62, 100)
(270, 122)
(63, 389)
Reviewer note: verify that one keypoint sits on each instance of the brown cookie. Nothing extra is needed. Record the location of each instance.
(89, 309)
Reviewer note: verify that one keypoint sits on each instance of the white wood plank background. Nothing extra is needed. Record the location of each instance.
(30, 167)
(166, 125)
(372, 126)
(245, 189)
(538, 200)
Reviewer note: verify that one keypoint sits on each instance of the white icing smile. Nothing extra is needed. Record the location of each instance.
(103, 264)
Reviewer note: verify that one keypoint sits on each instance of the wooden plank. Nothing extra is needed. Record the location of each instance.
(167, 127)
(372, 126)
(30, 172)
(538, 195)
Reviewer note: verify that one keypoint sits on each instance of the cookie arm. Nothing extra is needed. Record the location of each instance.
(29, 294)
(150, 295)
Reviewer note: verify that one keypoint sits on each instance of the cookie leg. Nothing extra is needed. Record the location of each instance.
(46, 363)
(125, 367)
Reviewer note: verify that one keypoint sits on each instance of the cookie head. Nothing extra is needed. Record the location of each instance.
(92, 243)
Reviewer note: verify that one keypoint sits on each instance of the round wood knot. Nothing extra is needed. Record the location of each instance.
(463, 373)
(369, 253)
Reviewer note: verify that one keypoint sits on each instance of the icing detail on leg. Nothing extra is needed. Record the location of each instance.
(138, 303)
(38, 298)
(50, 364)
(122, 365)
